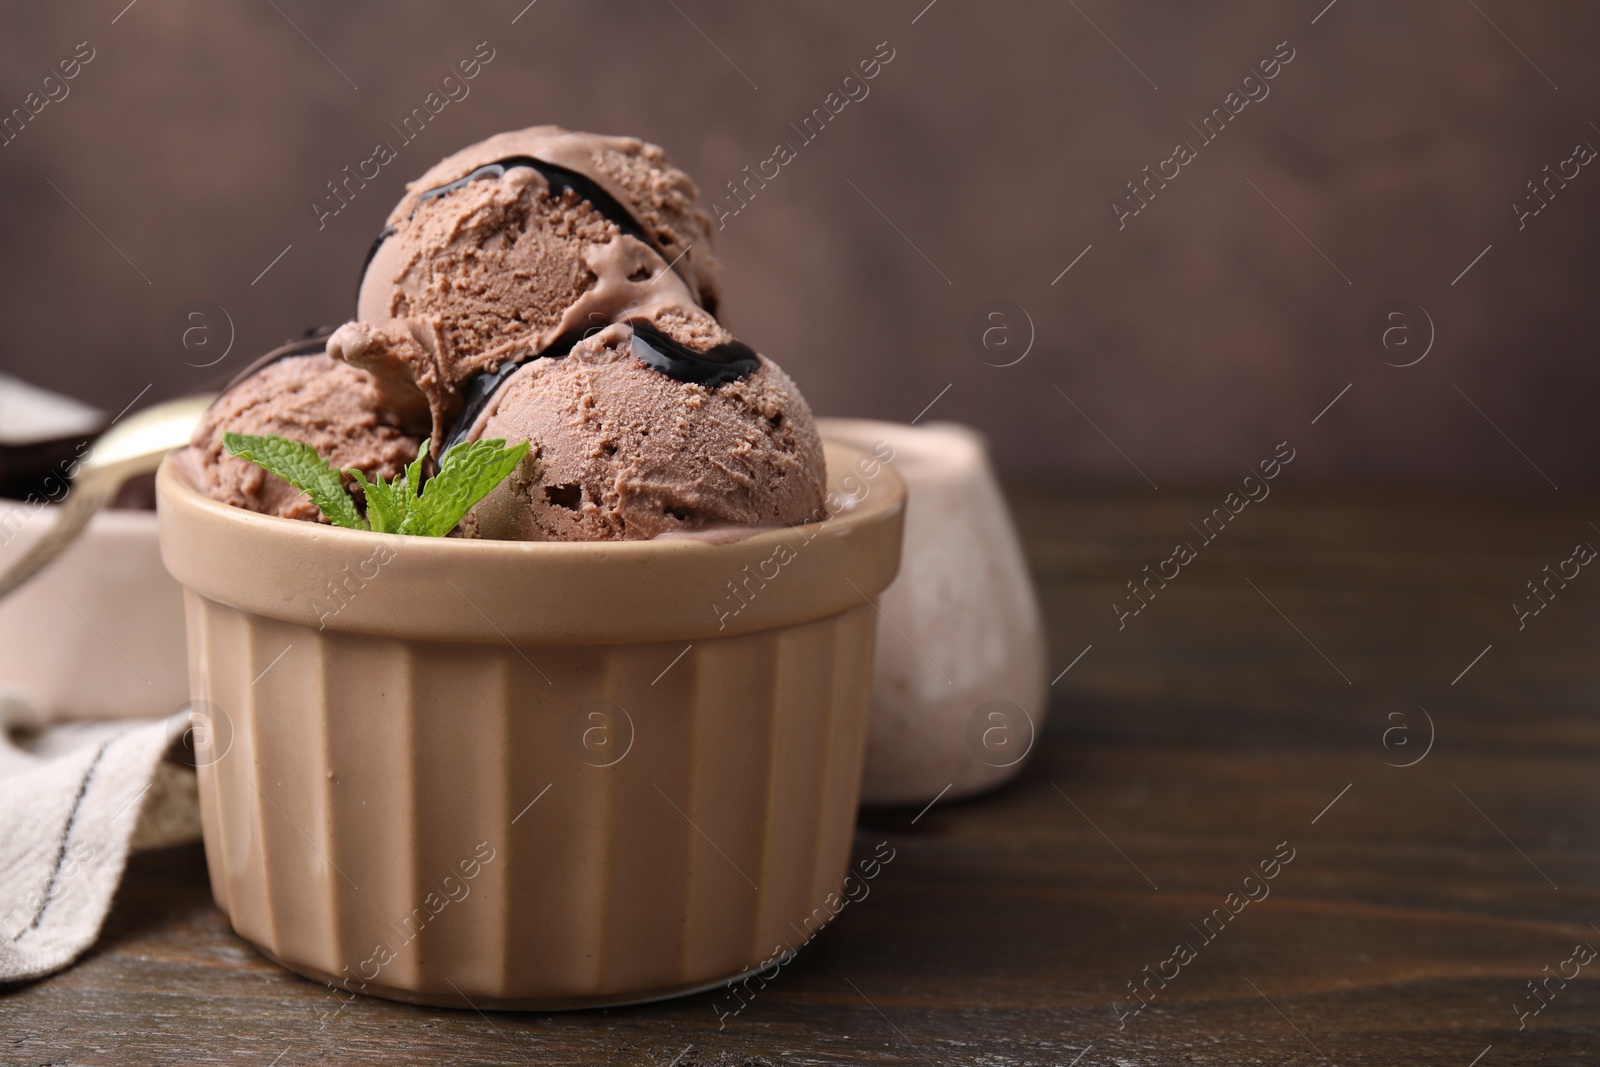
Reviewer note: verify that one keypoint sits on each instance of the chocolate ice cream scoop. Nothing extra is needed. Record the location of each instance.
(557, 288)
(331, 406)
(622, 450)
(630, 182)
(519, 245)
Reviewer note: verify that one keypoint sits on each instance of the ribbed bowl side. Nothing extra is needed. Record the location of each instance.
(462, 805)
(211, 830)
(283, 701)
(552, 870)
(218, 652)
(486, 823)
(851, 682)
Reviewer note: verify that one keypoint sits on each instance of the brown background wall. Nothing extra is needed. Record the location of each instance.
(1196, 338)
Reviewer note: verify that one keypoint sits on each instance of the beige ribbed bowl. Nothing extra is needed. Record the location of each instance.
(529, 775)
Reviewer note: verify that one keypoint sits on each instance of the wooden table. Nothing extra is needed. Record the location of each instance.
(1258, 705)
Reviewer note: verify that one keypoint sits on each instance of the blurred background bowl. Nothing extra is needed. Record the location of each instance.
(99, 634)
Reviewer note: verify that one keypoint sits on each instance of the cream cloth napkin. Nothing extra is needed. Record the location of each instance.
(74, 800)
(97, 636)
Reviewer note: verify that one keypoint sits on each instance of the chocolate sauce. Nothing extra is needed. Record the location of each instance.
(714, 367)
(711, 368)
(559, 179)
(481, 387)
(372, 253)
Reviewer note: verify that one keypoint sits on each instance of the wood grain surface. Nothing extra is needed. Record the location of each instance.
(1257, 706)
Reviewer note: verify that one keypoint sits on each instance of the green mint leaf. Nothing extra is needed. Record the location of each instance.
(467, 473)
(386, 504)
(300, 466)
(413, 475)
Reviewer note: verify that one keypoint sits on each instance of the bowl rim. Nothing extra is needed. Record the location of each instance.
(265, 565)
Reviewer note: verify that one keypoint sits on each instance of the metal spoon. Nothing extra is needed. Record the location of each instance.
(134, 446)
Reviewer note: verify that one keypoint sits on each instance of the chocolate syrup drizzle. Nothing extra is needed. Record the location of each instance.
(717, 365)
(481, 387)
(559, 179)
(711, 368)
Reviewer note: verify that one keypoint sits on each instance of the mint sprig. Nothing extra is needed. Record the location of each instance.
(301, 467)
(467, 472)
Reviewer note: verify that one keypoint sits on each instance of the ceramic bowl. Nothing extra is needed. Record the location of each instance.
(529, 775)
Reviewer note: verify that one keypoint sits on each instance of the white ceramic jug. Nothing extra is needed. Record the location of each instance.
(959, 693)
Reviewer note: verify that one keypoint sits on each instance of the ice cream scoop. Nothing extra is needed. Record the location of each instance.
(331, 406)
(516, 247)
(623, 449)
(559, 288)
